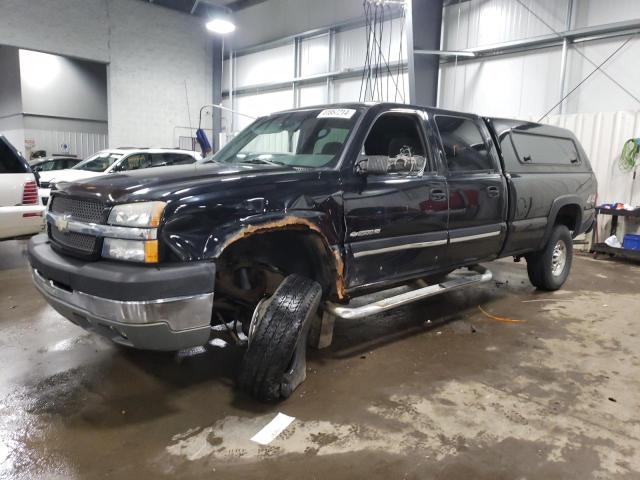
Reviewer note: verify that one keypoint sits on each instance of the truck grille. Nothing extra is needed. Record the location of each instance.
(73, 240)
(81, 210)
(87, 211)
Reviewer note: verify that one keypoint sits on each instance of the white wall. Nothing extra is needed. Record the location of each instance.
(57, 86)
(150, 52)
(277, 19)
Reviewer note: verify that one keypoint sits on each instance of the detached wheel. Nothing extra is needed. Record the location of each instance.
(549, 268)
(274, 364)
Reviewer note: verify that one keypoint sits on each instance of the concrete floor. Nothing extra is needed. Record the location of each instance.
(434, 390)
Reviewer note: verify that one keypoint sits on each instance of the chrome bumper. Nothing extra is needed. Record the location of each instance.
(162, 324)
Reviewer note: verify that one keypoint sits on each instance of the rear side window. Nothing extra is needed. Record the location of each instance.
(464, 148)
(10, 161)
(135, 162)
(545, 149)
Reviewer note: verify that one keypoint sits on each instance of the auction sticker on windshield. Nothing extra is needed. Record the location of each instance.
(337, 113)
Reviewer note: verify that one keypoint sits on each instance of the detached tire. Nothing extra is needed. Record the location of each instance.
(549, 268)
(275, 361)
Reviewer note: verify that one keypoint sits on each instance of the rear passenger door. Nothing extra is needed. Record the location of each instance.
(476, 189)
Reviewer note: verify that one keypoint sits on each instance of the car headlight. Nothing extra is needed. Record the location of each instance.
(145, 251)
(141, 215)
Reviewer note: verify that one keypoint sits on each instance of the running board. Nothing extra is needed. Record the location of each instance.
(482, 274)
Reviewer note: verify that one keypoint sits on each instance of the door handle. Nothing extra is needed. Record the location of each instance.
(438, 195)
(493, 191)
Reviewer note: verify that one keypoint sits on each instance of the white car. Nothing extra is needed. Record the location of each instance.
(114, 161)
(21, 212)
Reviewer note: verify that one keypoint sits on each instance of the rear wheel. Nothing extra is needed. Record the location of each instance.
(274, 364)
(549, 268)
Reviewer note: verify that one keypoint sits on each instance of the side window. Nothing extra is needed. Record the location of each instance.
(330, 141)
(397, 136)
(161, 159)
(10, 161)
(182, 159)
(464, 148)
(135, 162)
(533, 148)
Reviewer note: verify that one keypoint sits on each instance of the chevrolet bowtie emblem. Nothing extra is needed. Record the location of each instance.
(62, 223)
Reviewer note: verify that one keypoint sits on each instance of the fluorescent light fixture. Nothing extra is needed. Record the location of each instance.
(221, 26)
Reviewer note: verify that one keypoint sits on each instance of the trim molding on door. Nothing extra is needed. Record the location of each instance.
(474, 237)
(396, 248)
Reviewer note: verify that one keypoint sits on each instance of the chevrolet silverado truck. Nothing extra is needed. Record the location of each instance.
(277, 235)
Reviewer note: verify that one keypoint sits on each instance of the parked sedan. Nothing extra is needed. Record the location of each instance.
(113, 161)
(54, 163)
(21, 212)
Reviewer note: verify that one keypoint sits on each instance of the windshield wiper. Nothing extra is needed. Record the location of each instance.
(263, 161)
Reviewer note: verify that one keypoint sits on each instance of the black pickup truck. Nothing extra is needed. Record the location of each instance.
(272, 238)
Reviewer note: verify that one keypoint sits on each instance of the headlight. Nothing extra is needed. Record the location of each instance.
(131, 250)
(143, 214)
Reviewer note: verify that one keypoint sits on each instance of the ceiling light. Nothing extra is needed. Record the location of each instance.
(221, 26)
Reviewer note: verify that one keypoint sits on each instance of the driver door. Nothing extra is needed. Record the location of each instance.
(396, 223)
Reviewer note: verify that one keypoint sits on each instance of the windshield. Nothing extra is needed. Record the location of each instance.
(98, 162)
(309, 139)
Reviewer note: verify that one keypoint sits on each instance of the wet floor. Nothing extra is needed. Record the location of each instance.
(434, 390)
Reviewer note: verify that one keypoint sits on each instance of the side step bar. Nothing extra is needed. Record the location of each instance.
(482, 274)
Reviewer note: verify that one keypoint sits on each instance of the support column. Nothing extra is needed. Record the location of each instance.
(216, 94)
(424, 25)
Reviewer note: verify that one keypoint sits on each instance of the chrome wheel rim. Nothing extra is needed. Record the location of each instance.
(256, 317)
(558, 258)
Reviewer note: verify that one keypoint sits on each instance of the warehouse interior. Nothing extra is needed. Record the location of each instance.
(480, 372)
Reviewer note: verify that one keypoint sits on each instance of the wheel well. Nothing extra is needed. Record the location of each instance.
(569, 216)
(282, 252)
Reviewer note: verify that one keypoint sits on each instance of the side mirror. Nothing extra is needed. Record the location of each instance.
(383, 165)
(373, 165)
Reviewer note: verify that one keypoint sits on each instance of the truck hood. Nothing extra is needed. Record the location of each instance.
(180, 182)
(69, 175)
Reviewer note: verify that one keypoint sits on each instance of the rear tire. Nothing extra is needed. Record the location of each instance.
(549, 268)
(274, 364)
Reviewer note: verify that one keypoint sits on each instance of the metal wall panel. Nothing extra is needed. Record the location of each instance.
(315, 94)
(272, 65)
(351, 45)
(516, 85)
(599, 93)
(260, 103)
(81, 144)
(484, 22)
(587, 13)
(314, 55)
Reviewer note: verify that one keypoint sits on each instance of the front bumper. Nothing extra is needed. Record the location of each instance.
(150, 308)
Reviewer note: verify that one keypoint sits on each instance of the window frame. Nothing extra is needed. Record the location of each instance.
(421, 117)
(494, 168)
(555, 164)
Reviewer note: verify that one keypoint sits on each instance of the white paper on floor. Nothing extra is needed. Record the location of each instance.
(274, 428)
